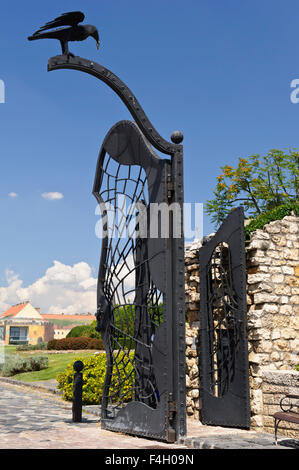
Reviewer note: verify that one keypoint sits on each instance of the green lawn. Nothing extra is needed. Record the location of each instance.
(57, 363)
(10, 349)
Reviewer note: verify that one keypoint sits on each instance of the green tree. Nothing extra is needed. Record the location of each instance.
(259, 184)
(88, 331)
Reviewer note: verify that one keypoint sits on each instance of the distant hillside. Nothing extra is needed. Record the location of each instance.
(66, 320)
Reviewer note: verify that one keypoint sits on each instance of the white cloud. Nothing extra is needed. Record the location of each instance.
(52, 196)
(12, 194)
(63, 288)
(125, 272)
(8, 295)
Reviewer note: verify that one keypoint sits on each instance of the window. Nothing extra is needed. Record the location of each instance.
(18, 335)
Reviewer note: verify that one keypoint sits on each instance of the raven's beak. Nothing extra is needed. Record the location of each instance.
(98, 44)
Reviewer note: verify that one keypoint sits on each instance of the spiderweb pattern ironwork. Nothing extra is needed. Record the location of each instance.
(222, 320)
(136, 304)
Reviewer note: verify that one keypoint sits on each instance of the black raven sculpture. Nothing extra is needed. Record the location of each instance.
(74, 32)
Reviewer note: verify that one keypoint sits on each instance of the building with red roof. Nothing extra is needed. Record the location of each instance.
(24, 324)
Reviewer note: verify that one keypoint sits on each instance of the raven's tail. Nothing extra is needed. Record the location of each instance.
(36, 36)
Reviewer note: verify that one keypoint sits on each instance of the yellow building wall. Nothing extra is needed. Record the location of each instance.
(36, 333)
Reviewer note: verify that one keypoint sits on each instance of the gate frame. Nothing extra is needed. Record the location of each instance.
(231, 232)
(176, 335)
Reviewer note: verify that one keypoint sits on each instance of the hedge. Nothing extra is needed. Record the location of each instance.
(76, 343)
(94, 371)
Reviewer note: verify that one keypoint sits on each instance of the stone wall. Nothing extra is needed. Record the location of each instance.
(193, 401)
(273, 312)
(192, 281)
(276, 384)
(273, 307)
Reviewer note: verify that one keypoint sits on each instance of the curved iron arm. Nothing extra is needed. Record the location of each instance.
(289, 406)
(125, 94)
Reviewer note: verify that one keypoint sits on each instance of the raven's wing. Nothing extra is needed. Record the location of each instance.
(71, 18)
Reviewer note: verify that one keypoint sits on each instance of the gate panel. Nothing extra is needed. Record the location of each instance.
(224, 368)
(135, 314)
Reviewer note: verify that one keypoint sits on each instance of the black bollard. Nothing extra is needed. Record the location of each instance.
(77, 392)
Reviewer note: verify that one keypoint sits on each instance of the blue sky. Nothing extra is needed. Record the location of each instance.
(220, 71)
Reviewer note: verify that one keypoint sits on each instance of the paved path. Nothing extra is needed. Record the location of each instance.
(33, 419)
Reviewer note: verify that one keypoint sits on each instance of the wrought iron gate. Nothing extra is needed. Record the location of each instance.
(135, 290)
(224, 374)
(141, 296)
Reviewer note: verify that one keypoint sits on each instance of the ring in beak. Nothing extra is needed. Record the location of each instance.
(98, 44)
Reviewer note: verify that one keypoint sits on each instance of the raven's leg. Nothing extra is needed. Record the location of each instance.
(65, 49)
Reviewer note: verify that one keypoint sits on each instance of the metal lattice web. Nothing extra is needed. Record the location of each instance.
(222, 307)
(136, 304)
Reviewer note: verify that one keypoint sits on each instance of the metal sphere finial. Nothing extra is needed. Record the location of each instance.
(177, 137)
(78, 366)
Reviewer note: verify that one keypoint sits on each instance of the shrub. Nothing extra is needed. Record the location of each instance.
(78, 331)
(22, 347)
(93, 378)
(32, 347)
(76, 343)
(123, 319)
(277, 213)
(17, 364)
(88, 331)
(124, 342)
(92, 333)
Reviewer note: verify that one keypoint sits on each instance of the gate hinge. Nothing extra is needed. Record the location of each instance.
(170, 186)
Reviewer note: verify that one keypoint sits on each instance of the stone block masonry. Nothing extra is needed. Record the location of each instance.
(273, 291)
(273, 318)
(193, 401)
(275, 385)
